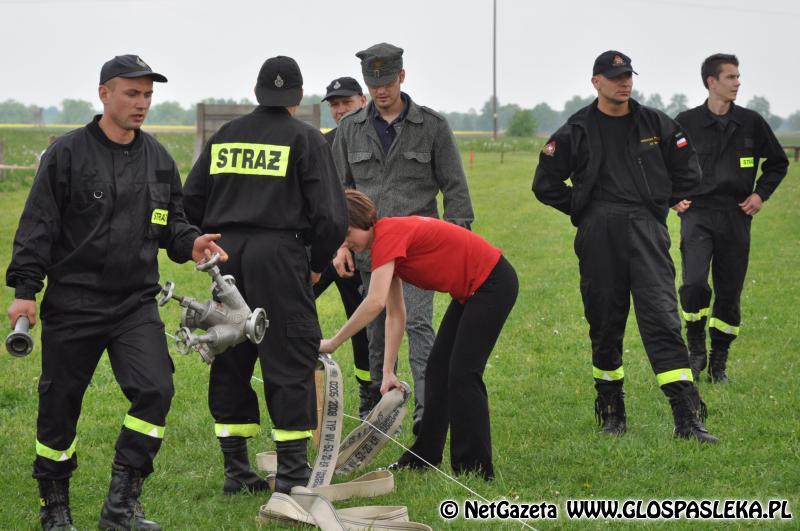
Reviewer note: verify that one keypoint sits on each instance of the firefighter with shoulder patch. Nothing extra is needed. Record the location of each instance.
(715, 217)
(628, 164)
(268, 183)
(106, 197)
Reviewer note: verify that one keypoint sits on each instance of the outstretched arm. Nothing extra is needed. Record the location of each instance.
(372, 305)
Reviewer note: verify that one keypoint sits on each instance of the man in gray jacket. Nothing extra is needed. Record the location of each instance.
(401, 155)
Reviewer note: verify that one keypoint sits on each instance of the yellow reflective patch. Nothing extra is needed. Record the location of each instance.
(746, 162)
(159, 216)
(678, 375)
(249, 159)
(609, 376)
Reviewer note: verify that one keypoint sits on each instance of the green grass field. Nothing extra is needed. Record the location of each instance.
(545, 440)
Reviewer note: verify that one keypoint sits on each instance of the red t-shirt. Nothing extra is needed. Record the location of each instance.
(433, 254)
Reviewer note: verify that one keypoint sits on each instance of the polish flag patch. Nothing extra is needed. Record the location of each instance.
(681, 142)
(549, 149)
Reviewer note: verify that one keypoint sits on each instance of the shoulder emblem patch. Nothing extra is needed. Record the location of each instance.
(549, 149)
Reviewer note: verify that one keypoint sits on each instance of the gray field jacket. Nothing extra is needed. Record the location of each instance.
(422, 161)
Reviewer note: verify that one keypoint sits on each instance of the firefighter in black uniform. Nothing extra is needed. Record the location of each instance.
(267, 182)
(106, 197)
(344, 95)
(628, 163)
(716, 216)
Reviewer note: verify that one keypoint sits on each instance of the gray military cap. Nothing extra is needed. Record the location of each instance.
(381, 63)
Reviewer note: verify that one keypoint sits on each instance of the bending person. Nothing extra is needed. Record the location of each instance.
(435, 255)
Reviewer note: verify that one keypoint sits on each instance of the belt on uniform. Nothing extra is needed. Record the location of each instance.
(312, 504)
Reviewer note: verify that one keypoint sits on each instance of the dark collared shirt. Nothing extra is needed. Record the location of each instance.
(386, 132)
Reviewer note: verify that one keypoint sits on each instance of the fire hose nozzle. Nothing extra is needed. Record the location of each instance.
(19, 343)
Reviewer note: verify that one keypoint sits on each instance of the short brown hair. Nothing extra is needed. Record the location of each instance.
(360, 210)
(712, 66)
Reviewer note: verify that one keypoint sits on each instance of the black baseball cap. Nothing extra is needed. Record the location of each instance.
(343, 86)
(128, 66)
(280, 83)
(612, 63)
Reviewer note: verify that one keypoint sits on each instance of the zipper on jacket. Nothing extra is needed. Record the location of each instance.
(644, 176)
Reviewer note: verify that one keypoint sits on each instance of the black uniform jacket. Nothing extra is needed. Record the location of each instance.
(269, 171)
(97, 214)
(730, 157)
(661, 159)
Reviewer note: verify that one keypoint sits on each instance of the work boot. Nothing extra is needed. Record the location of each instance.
(293, 469)
(716, 366)
(54, 511)
(369, 395)
(609, 409)
(239, 476)
(697, 353)
(122, 509)
(689, 412)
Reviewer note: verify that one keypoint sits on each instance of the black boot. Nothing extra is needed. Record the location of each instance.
(689, 412)
(369, 395)
(122, 510)
(293, 469)
(609, 409)
(697, 352)
(239, 476)
(716, 366)
(54, 505)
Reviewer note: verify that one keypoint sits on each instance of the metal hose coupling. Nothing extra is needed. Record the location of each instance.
(226, 319)
(19, 343)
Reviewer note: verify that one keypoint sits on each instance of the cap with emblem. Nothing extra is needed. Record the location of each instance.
(381, 63)
(280, 83)
(343, 86)
(611, 64)
(128, 66)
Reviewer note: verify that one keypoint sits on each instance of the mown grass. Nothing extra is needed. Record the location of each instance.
(539, 381)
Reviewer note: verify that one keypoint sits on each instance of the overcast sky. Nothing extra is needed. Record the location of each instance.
(53, 49)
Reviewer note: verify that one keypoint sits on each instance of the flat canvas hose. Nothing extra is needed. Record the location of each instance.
(312, 504)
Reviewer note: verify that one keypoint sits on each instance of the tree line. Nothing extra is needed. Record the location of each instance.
(511, 118)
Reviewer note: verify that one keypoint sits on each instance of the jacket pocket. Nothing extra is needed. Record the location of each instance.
(362, 165)
(417, 164)
(91, 198)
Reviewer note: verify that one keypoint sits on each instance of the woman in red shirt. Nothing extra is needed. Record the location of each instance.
(436, 255)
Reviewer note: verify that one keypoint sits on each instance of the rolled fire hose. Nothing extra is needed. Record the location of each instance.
(312, 504)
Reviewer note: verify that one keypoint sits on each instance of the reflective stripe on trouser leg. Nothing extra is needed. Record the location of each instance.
(691, 317)
(56, 455)
(677, 375)
(722, 326)
(290, 435)
(362, 375)
(236, 430)
(608, 375)
(143, 427)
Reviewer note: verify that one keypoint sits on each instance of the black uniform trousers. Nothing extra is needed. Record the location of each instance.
(455, 395)
(77, 326)
(351, 291)
(717, 240)
(272, 271)
(623, 251)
